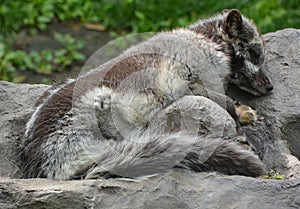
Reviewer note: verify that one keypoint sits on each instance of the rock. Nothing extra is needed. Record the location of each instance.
(271, 148)
(175, 189)
(16, 107)
(191, 112)
(283, 65)
(276, 140)
(281, 129)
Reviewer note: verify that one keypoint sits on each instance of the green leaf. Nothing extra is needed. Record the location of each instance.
(2, 49)
(139, 15)
(47, 55)
(60, 53)
(79, 44)
(78, 56)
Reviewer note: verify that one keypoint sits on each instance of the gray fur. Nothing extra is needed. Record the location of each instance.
(173, 150)
(101, 124)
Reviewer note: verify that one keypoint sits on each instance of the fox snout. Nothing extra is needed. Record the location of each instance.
(258, 84)
(255, 82)
(269, 87)
(262, 83)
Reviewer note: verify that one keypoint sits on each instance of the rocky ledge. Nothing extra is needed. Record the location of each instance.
(276, 139)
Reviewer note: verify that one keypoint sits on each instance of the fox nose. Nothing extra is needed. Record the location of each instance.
(269, 87)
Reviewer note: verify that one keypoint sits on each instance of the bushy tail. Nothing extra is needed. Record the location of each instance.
(148, 154)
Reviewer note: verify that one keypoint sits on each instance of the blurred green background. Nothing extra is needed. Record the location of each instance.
(42, 39)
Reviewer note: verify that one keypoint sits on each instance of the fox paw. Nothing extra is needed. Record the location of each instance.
(103, 99)
(246, 114)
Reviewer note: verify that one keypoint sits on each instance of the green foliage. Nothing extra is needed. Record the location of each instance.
(118, 16)
(43, 62)
(18, 13)
(67, 55)
(142, 16)
(7, 69)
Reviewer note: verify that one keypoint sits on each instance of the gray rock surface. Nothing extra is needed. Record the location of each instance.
(283, 64)
(279, 134)
(273, 139)
(16, 106)
(175, 189)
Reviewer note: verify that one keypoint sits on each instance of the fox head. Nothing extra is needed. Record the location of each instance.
(247, 54)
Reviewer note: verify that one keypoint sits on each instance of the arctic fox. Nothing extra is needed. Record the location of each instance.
(104, 123)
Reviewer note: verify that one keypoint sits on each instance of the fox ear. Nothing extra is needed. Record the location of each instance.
(233, 24)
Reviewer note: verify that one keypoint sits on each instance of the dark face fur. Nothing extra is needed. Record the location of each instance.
(247, 54)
